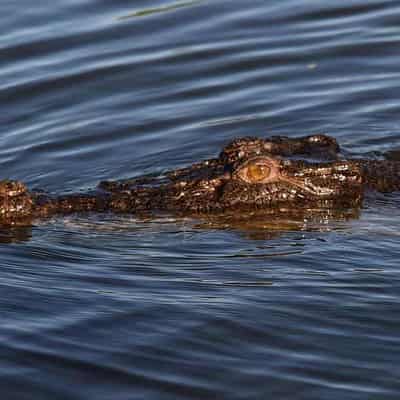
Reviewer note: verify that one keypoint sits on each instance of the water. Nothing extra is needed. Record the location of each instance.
(114, 307)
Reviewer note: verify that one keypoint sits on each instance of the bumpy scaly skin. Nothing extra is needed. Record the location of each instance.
(15, 201)
(249, 174)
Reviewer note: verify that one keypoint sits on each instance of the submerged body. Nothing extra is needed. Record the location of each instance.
(249, 174)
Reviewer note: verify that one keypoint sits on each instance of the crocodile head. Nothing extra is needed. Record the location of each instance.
(249, 174)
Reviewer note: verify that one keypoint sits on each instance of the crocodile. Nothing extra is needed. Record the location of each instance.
(250, 173)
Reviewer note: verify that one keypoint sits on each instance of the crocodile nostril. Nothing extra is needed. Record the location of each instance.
(12, 188)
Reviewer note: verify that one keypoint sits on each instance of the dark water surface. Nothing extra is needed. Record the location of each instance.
(103, 307)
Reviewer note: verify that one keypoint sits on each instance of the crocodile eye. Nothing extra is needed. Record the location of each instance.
(260, 170)
(257, 172)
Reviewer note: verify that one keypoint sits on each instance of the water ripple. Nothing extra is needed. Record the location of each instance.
(175, 308)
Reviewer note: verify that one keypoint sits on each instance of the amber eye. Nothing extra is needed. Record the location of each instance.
(257, 172)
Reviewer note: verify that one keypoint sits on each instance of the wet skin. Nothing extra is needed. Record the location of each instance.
(249, 174)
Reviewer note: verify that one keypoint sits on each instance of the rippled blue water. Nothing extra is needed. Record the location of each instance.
(123, 308)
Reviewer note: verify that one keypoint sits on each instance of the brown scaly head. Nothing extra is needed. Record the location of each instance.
(250, 174)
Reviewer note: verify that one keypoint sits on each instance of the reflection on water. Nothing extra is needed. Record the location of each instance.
(268, 224)
(166, 8)
(289, 306)
(15, 234)
(257, 225)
